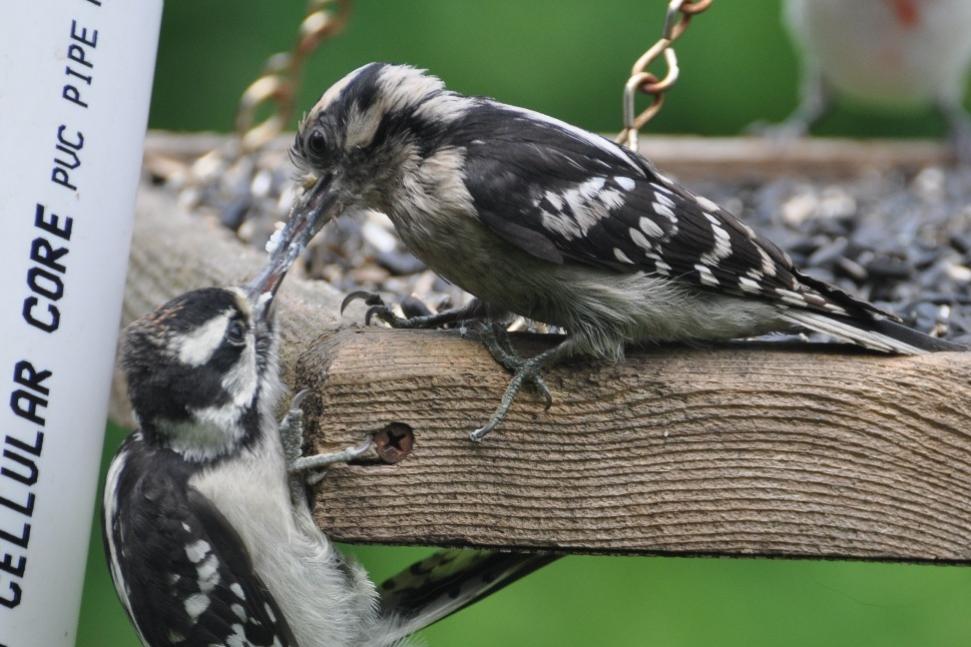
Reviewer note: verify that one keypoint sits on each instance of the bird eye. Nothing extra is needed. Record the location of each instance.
(236, 333)
(316, 143)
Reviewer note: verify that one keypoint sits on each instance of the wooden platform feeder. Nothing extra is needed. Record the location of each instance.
(741, 449)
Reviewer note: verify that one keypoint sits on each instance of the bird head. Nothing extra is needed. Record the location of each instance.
(202, 369)
(368, 132)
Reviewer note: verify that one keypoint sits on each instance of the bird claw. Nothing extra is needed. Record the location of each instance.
(384, 313)
(496, 340)
(308, 469)
(291, 427)
(418, 314)
(378, 308)
(369, 298)
(313, 467)
(528, 372)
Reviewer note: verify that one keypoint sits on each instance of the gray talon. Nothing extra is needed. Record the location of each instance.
(369, 298)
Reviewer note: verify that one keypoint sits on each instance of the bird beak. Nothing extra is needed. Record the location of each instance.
(315, 208)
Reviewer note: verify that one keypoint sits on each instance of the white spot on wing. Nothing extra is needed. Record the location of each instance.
(640, 240)
(748, 285)
(792, 298)
(664, 199)
(723, 244)
(768, 265)
(706, 204)
(237, 591)
(664, 210)
(626, 183)
(621, 256)
(208, 574)
(589, 202)
(197, 550)
(238, 637)
(196, 605)
(554, 199)
(707, 278)
(660, 265)
(650, 227)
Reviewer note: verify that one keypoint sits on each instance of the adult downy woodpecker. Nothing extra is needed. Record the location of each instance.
(207, 539)
(540, 218)
(891, 54)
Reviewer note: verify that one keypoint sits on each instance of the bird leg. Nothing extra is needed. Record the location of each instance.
(959, 125)
(291, 437)
(528, 371)
(815, 102)
(475, 309)
(495, 338)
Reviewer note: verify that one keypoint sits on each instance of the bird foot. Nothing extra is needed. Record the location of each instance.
(786, 131)
(417, 314)
(960, 136)
(529, 371)
(303, 470)
(495, 338)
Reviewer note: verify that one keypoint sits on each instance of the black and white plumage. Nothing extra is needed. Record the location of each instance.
(540, 218)
(206, 541)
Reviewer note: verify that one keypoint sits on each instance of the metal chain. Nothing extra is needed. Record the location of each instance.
(676, 20)
(281, 75)
(245, 181)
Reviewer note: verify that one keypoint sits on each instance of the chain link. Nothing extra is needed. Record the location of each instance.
(280, 81)
(246, 181)
(676, 20)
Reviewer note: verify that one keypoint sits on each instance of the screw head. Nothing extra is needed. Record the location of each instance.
(394, 442)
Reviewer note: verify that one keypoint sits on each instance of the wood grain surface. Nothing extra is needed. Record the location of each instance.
(736, 450)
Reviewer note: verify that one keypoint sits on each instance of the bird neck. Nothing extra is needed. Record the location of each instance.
(207, 435)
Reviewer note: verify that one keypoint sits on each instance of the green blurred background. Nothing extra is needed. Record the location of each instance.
(569, 58)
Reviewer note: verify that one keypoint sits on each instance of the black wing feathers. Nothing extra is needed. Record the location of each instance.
(452, 579)
(189, 581)
(561, 195)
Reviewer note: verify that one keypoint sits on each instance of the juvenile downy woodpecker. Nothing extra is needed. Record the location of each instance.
(890, 54)
(205, 536)
(537, 217)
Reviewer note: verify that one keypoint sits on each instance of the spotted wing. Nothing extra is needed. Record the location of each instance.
(565, 195)
(181, 569)
(450, 580)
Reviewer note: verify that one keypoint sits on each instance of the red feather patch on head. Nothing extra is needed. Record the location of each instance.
(907, 12)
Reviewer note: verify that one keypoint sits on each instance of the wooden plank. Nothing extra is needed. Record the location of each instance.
(739, 450)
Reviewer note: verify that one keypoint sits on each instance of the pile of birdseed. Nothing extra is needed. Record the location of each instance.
(900, 240)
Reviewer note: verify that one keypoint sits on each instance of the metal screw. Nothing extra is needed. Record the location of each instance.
(394, 442)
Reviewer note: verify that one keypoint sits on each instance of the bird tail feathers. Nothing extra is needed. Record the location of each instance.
(449, 581)
(877, 334)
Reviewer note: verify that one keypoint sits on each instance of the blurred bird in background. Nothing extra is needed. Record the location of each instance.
(894, 55)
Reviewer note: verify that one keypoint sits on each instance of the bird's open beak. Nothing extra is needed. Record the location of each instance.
(314, 209)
